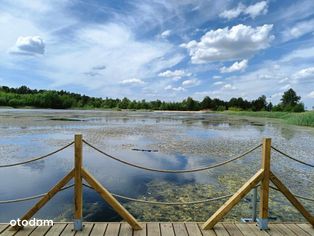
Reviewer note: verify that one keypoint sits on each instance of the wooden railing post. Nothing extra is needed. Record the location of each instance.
(266, 154)
(78, 194)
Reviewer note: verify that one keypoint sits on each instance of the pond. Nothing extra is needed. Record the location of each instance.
(177, 140)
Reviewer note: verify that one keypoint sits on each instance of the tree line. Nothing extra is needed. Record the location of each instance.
(24, 96)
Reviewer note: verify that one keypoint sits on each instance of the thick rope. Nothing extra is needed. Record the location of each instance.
(166, 203)
(172, 171)
(37, 158)
(292, 158)
(32, 197)
(144, 201)
(297, 196)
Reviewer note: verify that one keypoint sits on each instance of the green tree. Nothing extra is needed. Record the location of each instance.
(290, 98)
(124, 103)
(259, 104)
(290, 102)
(206, 103)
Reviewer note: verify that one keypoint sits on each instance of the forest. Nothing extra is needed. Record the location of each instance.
(26, 97)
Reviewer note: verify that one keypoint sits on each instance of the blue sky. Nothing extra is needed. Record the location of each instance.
(160, 49)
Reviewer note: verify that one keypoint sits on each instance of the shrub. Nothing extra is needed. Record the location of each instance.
(221, 108)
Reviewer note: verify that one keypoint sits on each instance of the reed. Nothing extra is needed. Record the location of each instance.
(301, 119)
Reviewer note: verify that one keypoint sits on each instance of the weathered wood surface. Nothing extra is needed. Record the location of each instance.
(53, 191)
(78, 189)
(164, 229)
(106, 195)
(228, 205)
(293, 200)
(266, 154)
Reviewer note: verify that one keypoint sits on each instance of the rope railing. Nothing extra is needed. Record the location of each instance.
(37, 158)
(172, 171)
(166, 203)
(142, 200)
(263, 176)
(296, 195)
(188, 203)
(31, 197)
(292, 158)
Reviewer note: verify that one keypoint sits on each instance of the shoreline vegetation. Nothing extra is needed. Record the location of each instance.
(290, 109)
(300, 119)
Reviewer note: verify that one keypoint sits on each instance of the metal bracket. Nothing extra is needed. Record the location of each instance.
(78, 224)
(247, 220)
(254, 208)
(262, 223)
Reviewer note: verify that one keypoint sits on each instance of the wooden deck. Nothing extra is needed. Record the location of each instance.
(163, 229)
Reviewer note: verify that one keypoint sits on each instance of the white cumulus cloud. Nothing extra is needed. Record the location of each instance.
(254, 10)
(259, 8)
(305, 73)
(237, 66)
(311, 94)
(28, 45)
(238, 42)
(176, 89)
(218, 83)
(176, 74)
(190, 82)
(298, 30)
(132, 81)
(165, 34)
(228, 87)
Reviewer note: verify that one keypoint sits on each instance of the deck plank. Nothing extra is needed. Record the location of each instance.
(86, 230)
(3, 227)
(99, 229)
(68, 230)
(163, 229)
(166, 229)
(297, 230)
(232, 229)
(274, 231)
(220, 230)
(180, 229)
(284, 229)
(56, 229)
(141, 232)
(193, 229)
(153, 229)
(41, 230)
(25, 231)
(8, 232)
(307, 228)
(255, 229)
(206, 232)
(125, 230)
(246, 230)
(113, 229)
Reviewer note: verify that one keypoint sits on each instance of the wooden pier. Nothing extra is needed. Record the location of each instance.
(163, 229)
(131, 227)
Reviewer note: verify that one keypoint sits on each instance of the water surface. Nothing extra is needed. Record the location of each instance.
(181, 140)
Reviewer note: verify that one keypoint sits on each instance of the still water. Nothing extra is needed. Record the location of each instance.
(180, 140)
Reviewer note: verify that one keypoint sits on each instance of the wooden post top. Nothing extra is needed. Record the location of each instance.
(78, 136)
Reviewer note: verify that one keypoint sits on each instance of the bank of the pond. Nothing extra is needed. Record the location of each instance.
(301, 119)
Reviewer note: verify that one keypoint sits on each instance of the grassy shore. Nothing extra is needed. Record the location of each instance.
(301, 119)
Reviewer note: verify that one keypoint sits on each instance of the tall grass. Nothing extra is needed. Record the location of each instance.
(301, 119)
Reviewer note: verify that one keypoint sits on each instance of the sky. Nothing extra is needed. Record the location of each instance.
(160, 49)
